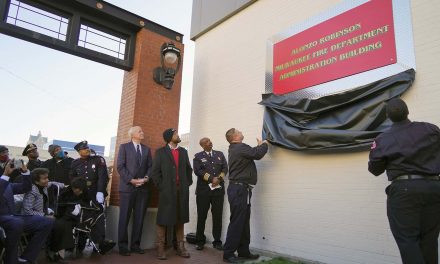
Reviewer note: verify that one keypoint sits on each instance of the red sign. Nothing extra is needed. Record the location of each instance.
(358, 40)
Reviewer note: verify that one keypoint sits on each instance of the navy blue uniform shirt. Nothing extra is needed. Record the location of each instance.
(406, 148)
(241, 162)
(206, 168)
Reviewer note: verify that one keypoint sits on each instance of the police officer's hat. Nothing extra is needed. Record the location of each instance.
(81, 145)
(3, 148)
(28, 149)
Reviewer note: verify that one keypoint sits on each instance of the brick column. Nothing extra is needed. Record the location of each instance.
(145, 103)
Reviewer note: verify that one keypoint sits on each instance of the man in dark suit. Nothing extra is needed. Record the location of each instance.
(210, 166)
(134, 167)
(242, 178)
(172, 174)
(14, 225)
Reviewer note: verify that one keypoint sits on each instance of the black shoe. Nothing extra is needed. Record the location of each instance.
(250, 256)
(124, 252)
(199, 247)
(22, 261)
(218, 246)
(138, 250)
(232, 259)
(106, 246)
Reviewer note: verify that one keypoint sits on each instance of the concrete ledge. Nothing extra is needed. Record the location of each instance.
(148, 231)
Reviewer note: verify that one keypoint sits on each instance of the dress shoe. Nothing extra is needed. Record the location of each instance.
(199, 247)
(124, 252)
(218, 246)
(250, 256)
(106, 246)
(232, 259)
(22, 261)
(138, 250)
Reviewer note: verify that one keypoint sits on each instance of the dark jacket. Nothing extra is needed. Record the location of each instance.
(67, 202)
(406, 148)
(93, 169)
(58, 170)
(241, 162)
(129, 167)
(206, 168)
(33, 164)
(7, 191)
(164, 176)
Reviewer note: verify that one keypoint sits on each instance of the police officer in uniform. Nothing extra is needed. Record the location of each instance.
(210, 166)
(409, 152)
(94, 171)
(31, 151)
(242, 178)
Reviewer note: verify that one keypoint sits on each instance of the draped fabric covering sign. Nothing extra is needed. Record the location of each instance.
(355, 41)
(348, 120)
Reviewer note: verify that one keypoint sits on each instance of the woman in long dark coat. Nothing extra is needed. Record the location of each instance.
(173, 186)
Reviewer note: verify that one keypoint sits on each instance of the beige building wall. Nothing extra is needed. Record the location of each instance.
(324, 207)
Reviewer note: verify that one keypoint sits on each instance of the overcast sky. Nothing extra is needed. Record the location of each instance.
(70, 98)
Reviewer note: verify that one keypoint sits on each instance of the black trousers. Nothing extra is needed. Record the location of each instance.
(238, 236)
(61, 236)
(136, 202)
(413, 208)
(204, 201)
(98, 230)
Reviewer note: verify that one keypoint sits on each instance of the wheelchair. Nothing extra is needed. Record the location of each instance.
(82, 231)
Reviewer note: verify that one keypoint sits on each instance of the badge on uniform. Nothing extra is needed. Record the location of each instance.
(89, 183)
(203, 160)
(93, 166)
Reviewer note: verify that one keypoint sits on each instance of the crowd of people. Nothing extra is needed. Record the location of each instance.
(46, 201)
(409, 152)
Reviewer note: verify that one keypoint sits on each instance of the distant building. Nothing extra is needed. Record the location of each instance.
(184, 141)
(38, 140)
(15, 153)
(67, 146)
(112, 147)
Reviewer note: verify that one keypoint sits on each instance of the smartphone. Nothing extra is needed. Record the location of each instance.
(17, 164)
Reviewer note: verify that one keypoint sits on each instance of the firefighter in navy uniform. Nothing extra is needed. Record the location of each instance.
(93, 169)
(210, 166)
(410, 154)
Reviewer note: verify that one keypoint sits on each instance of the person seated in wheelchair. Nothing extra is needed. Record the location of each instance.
(85, 216)
(36, 202)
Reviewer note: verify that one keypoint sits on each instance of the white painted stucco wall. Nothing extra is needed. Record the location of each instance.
(324, 207)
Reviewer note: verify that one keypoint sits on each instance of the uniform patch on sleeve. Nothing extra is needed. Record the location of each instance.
(373, 146)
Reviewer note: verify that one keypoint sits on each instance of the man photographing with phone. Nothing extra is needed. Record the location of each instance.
(4, 158)
(14, 225)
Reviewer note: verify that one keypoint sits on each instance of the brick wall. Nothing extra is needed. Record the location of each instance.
(323, 207)
(145, 103)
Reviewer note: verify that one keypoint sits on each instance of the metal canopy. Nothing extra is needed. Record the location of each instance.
(94, 30)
